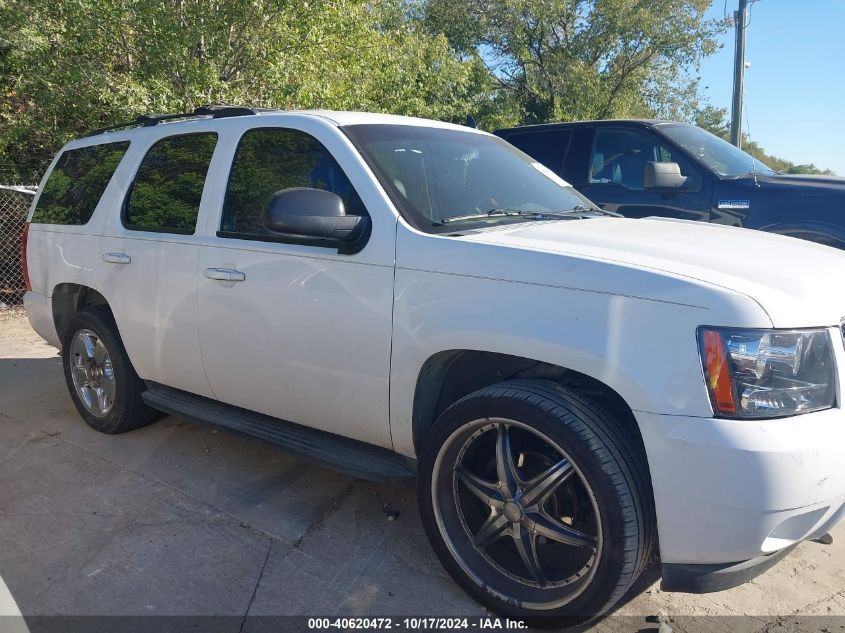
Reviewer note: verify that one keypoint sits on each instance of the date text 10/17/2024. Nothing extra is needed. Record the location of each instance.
(416, 623)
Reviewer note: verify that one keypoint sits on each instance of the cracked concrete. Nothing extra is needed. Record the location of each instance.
(257, 585)
(180, 519)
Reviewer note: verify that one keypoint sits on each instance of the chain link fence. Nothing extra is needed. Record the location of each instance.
(14, 207)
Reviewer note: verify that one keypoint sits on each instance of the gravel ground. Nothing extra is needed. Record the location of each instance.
(181, 519)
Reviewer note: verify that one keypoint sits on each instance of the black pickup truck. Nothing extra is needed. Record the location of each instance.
(643, 168)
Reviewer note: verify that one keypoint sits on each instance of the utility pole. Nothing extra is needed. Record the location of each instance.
(740, 22)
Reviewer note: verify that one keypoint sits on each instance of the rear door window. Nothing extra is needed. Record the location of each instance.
(77, 183)
(167, 190)
(548, 147)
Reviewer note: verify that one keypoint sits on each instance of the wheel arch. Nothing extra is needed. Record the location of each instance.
(448, 376)
(69, 298)
(818, 232)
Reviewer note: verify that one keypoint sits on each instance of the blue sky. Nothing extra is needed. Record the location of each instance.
(795, 87)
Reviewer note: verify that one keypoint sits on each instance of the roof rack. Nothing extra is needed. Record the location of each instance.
(212, 110)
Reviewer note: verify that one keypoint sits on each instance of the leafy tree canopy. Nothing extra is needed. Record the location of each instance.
(584, 59)
(71, 66)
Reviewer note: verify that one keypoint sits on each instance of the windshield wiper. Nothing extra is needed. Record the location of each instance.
(574, 213)
(491, 213)
(580, 208)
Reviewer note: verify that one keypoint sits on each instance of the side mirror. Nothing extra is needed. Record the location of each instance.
(306, 213)
(659, 175)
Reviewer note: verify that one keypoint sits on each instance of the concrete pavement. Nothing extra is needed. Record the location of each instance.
(182, 519)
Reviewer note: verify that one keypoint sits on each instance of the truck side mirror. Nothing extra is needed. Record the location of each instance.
(660, 175)
(312, 213)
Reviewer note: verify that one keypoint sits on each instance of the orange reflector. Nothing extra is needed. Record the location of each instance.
(718, 372)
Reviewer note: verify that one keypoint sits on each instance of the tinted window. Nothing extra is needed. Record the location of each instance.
(548, 147)
(619, 156)
(442, 179)
(77, 183)
(167, 190)
(271, 159)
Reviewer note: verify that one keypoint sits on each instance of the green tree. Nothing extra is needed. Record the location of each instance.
(583, 59)
(70, 66)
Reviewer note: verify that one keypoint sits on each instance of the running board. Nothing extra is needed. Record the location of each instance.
(343, 454)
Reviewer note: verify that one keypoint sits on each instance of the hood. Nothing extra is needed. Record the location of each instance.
(834, 183)
(797, 283)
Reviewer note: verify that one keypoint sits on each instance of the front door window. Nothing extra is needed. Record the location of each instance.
(619, 157)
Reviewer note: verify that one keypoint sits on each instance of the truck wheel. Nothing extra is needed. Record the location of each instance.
(101, 380)
(537, 502)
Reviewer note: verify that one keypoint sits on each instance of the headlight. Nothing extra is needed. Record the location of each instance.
(767, 373)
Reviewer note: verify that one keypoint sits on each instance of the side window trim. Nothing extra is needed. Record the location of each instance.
(562, 165)
(277, 239)
(342, 248)
(124, 207)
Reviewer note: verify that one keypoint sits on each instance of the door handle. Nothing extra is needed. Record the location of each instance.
(224, 274)
(117, 258)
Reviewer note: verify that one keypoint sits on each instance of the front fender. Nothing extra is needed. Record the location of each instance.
(644, 350)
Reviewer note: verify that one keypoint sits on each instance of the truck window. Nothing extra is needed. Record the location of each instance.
(165, 196)
(619, 156)
(268, 160)
(77, 183)
(717, 154)
(549, 146)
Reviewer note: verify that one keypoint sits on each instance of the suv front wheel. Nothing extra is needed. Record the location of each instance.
(101, 380)
(537, 502)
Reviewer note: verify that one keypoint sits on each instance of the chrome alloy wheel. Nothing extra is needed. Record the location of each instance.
(92, 373)
(516, 513)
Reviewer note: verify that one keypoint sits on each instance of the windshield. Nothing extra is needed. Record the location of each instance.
(444, 179)
(722, 157)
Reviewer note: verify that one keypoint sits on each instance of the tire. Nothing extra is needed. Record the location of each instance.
(560, 578)
(106, 392)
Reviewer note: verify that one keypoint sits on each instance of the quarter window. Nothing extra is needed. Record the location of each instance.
(167, 190)
(269, 160)
(77, 183)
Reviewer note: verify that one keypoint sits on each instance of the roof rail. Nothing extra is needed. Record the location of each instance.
(214, 111)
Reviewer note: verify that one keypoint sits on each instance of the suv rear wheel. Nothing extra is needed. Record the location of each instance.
(101, 380)
(537, 502)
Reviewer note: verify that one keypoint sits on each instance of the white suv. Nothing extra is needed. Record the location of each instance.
(398, 297)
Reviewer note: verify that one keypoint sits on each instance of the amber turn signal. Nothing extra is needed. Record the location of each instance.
(718, 372)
